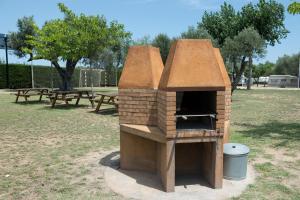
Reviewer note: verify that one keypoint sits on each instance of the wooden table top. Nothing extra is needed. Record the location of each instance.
(70, 91)
(31, 89)
(108, 94)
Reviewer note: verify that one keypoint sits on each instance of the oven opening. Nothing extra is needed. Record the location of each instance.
(196, 168)
(196, 110)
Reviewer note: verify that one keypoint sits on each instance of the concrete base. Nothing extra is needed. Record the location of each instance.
(146, 185)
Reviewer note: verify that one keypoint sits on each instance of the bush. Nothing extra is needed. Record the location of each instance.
(44, 76)
(19, 76)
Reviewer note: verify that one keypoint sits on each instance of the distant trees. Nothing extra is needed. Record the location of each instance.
(163, 42)
(145, 40)
(262, 70)
(198, 33)
(287, 65)
(258, 25)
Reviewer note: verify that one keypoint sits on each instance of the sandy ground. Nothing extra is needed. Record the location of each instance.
(140, 185)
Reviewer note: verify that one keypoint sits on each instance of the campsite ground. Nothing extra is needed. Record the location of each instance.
(44, 152)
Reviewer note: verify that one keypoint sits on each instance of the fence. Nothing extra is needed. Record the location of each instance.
(45, 76)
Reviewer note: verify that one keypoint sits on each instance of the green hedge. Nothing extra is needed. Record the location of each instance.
(19, 76)
(45, 76)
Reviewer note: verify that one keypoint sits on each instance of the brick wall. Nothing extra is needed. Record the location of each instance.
(157, 108)
(166, 104)
(138, 106)
(223, 108)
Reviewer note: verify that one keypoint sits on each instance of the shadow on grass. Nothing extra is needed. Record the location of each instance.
(63, 107)
(273, 130)
(31, 102)
(106, 111)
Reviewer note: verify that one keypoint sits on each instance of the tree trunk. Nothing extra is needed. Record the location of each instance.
(66, 81)
(238, 74)
(250, 74)
(65, 74)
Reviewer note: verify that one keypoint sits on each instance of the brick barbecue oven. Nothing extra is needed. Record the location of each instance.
(175, 119)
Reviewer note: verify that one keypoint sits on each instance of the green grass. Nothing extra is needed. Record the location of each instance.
(268, 122)
(40, 146)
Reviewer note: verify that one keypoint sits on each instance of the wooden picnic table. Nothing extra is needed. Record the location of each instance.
(106, 98)
(28, 92)
(67, 96)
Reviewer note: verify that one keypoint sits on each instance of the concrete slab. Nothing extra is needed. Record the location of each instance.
(142, 185)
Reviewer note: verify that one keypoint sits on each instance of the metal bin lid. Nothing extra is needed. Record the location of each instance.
(235, 149)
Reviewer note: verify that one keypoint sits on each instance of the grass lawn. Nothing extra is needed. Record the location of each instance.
(44, 152)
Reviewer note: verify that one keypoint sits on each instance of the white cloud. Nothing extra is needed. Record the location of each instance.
(203, 4)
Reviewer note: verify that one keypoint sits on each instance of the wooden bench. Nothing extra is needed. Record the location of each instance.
(67, 96)
(28, 92)
(61, 96)
(85, 95)
(110, 99)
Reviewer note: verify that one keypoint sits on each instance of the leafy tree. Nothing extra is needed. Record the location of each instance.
(75, 38)
(262, 69)
(241, 50)
(18, 40)
(267, 17)
(111, 59)
(222, 24)
(163, 42)
(287, 65)
(294, 8)
(198, 33)
(145, 40)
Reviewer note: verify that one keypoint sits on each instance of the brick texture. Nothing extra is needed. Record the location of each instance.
(223, 109)
(157, 108)
(138, 106)
(166, 104)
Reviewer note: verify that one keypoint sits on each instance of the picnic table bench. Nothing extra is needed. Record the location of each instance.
(66, 96)
(28, 92)
(106, 98)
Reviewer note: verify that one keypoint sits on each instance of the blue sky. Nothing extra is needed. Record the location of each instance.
(141, 17)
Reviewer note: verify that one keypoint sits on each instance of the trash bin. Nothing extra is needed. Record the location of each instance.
(235, 161)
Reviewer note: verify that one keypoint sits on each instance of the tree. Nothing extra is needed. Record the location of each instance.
(163, 42)
(262, 69)
(241, 50)
(145, 40)
(198, 33)
(18, 40)
(111, 59)
(287, 65)
(74, 38)
(222, 24)
(267, 17)
(294, 8)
